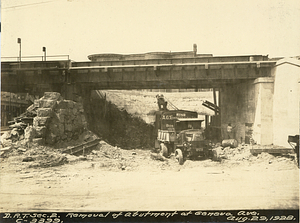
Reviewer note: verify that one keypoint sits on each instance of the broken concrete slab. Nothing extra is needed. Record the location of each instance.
(21, 150)
(230, 142)
(6, 149)
(256, 151)
(52, 96)
(40, 121)
(44, 103)
(44, 112)
(38, 141)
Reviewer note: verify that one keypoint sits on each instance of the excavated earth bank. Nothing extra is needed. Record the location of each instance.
(117, 126)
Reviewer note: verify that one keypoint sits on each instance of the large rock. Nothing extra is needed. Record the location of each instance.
(61, 128)
(51, 138)
(84, 122)
(79, 107)
(29, 133)
(74, 111)
(40, 132)
(44, 112)
(52, 96)
(55, 129)
(63, 111)
(69, 127)
(46, 103)
(60, 117)
(62, 104)
(40, 121)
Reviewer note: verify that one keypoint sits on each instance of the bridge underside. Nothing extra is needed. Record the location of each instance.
(62, 79)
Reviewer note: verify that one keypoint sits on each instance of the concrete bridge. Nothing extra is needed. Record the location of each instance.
(246, 84)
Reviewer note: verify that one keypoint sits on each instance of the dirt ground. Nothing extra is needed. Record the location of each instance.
(113, 179)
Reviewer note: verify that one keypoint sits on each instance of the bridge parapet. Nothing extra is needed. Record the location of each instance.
(118, 61)
(9, 65)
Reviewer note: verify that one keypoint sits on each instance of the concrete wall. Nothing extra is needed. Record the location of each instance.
(263, 116)
(286, 100)
(237, 107)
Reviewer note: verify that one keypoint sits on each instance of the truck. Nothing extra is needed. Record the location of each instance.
(180, 132)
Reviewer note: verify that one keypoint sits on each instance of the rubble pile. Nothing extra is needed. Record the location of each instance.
(108, 151)
(57, 119)
(242, 154)
(113, 157)
(38, 136)
(44, 157)
(53, 120)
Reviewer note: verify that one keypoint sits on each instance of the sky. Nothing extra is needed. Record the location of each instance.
(79, 28)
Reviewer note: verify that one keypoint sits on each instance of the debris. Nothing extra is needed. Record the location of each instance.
(71, 158)
(271, 150)
(29, 134)
(18, 126)
(157, 156)
(5, 149)
(230, 142)
(82, 148)
(218, 154)
(55, 159)
(26, 177)
(82, 158)
(28, 159)
(38, 141)
(128, 168)
(21, 150)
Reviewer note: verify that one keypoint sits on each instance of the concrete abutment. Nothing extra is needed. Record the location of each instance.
(247, 107)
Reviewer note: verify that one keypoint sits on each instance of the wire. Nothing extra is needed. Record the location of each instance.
(31, 4)
(173, 106)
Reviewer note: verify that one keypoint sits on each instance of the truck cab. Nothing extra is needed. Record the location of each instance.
(169, 124)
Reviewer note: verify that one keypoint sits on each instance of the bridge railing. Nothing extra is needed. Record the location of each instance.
(34, 62)
(35, 58)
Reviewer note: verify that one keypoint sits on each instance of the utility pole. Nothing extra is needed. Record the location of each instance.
(19, 41)
(44, 50)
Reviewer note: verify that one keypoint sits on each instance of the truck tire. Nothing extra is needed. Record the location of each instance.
(179, 156)
(163, 150)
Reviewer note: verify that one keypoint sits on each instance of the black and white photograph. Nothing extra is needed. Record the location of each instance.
(149, 111)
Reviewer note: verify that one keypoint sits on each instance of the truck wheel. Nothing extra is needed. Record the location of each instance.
(179, 156)
(163, 150)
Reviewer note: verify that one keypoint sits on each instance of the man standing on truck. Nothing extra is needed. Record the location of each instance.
(162, 104)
